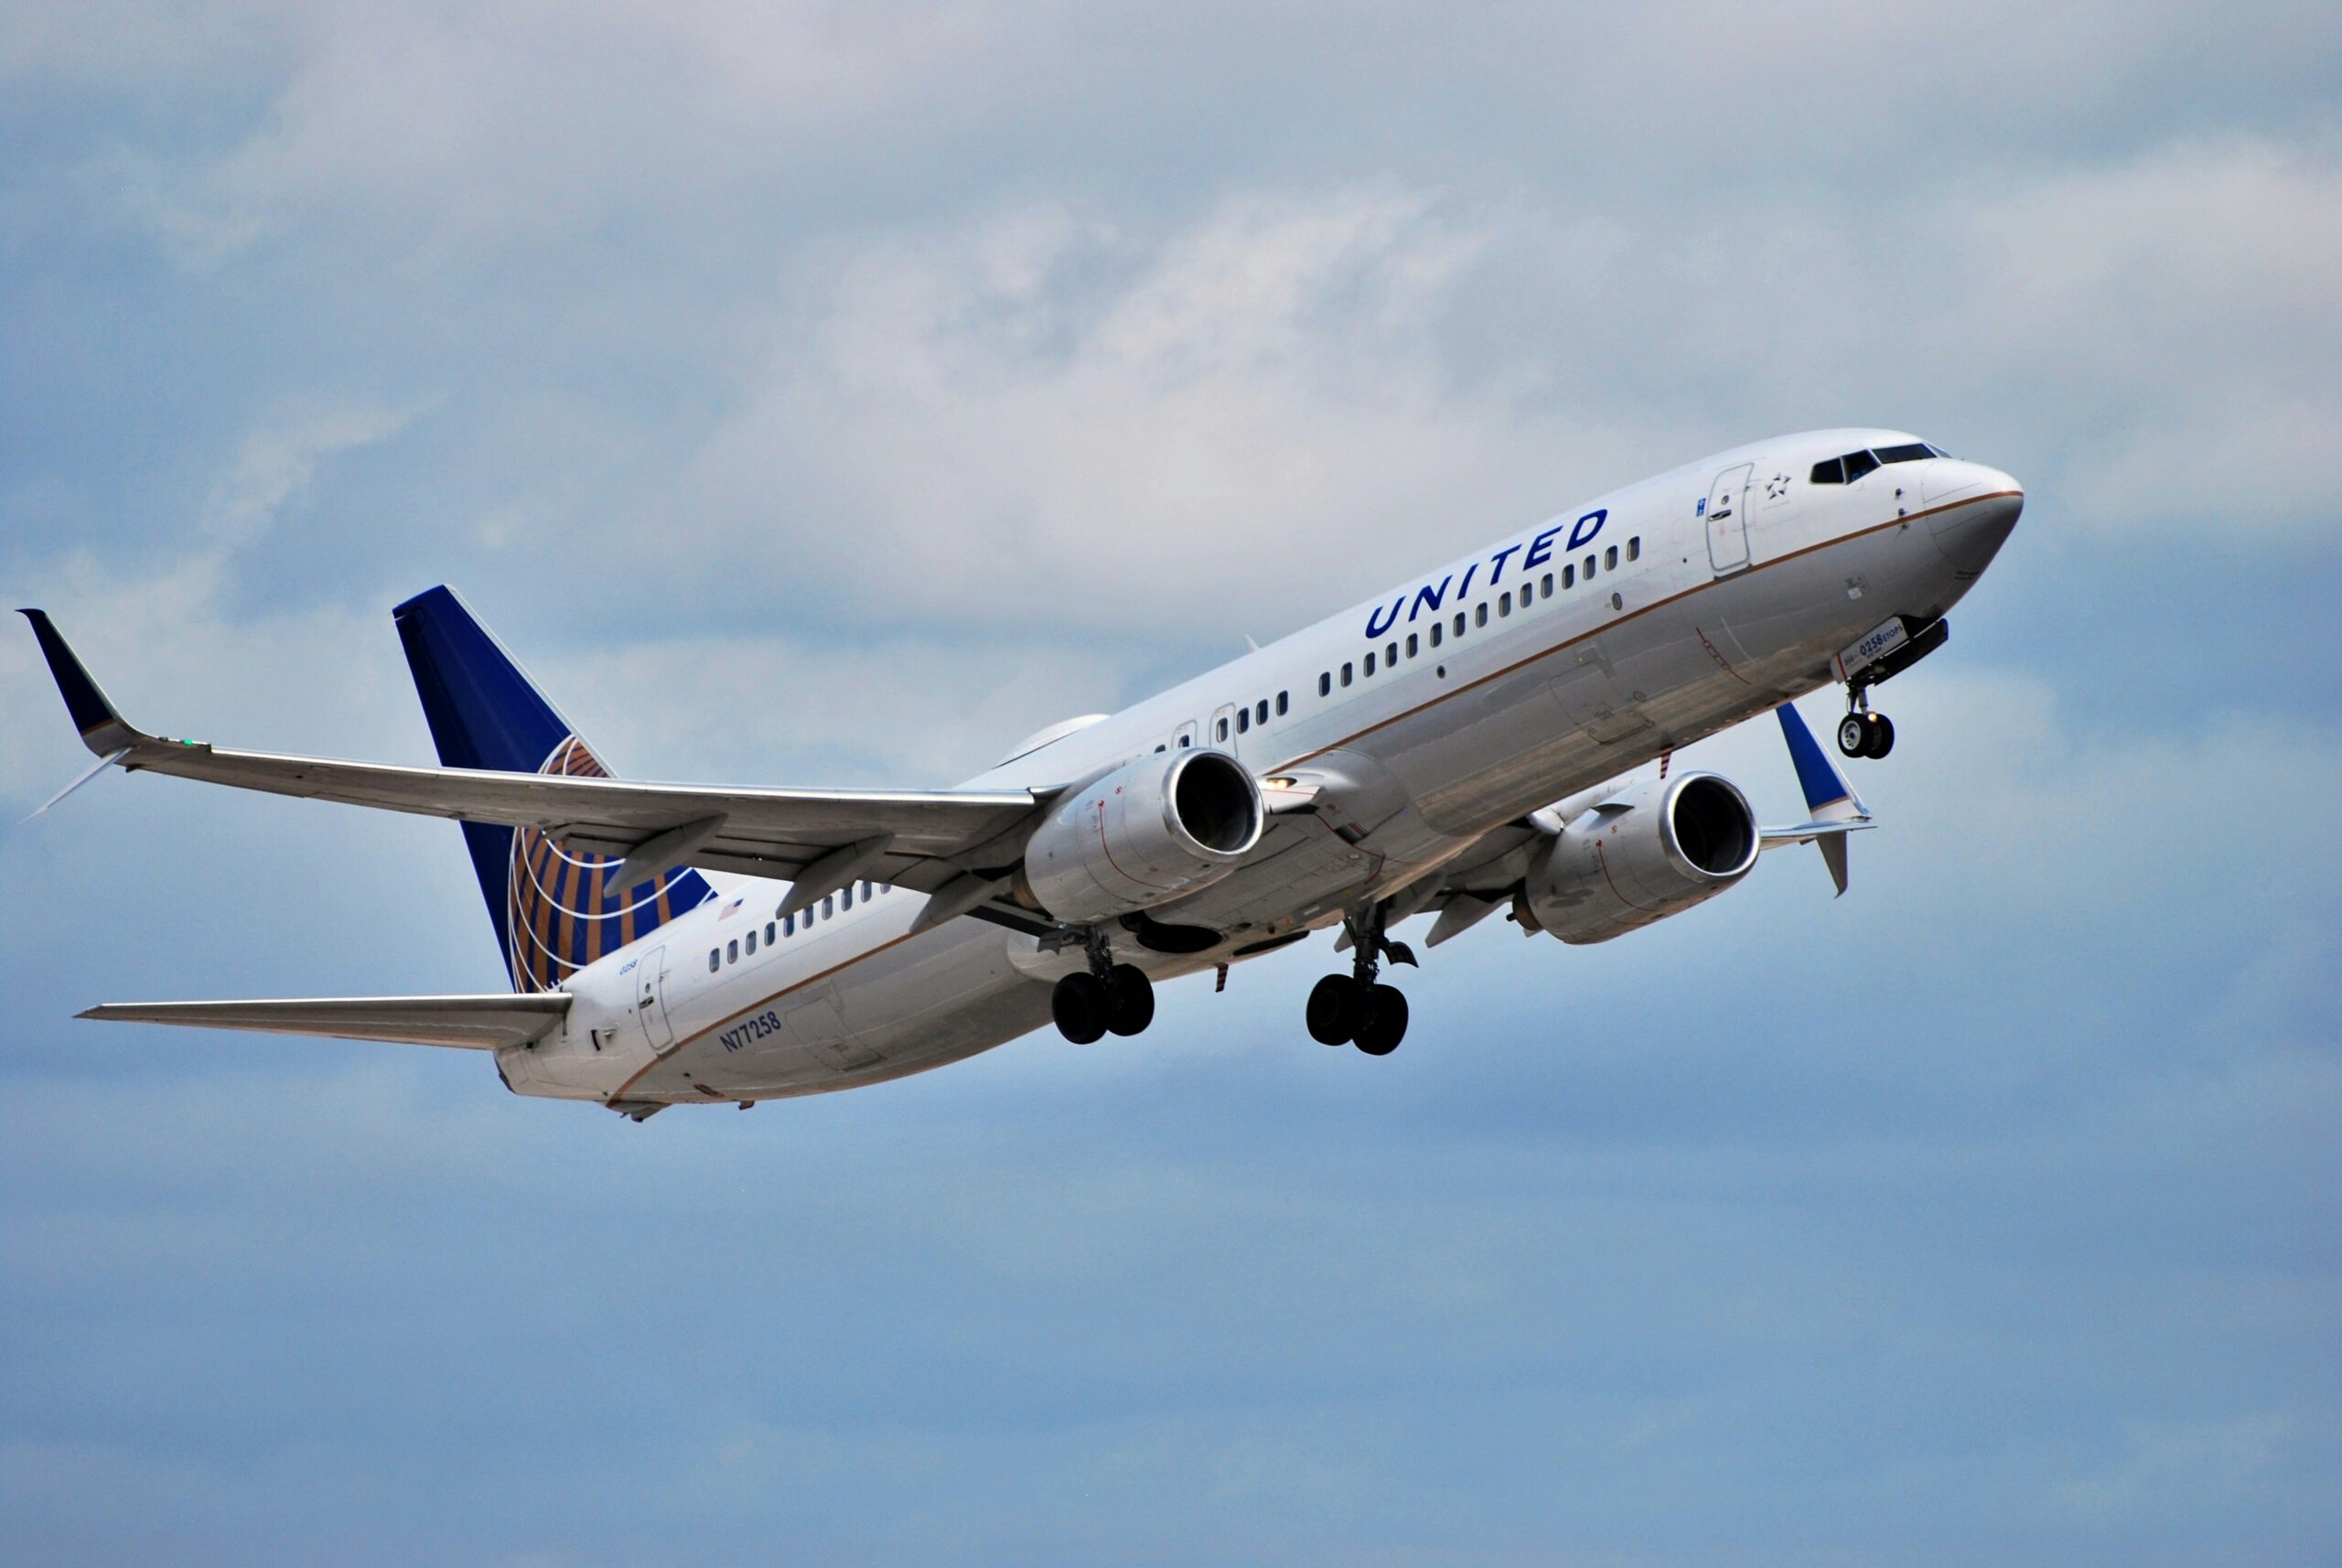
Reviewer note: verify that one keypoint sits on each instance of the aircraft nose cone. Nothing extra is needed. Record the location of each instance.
(1969, 531)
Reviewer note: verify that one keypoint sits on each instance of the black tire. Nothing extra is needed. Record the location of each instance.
(1130, 999)
(1854, 736)
(1078, 1005)
(1386, 1021)
(1881, 736)
(1333, 1010)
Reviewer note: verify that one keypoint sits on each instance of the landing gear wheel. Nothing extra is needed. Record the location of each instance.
(1882, 735)
(1854, 736)
(1334, 1010)
(1080, 1008)
(1130, 999)
(1386, 1021)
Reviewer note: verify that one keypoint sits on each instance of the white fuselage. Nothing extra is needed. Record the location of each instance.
(1713, 595)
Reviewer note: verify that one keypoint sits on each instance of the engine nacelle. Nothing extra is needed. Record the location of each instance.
(1143, 835)
(1650, 850)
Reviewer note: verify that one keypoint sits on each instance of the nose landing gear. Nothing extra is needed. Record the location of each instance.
(1108, 997)
(1354, 1008)
(1862, 733)
(1865, 733)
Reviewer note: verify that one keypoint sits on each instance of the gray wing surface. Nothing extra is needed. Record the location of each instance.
(921, 841)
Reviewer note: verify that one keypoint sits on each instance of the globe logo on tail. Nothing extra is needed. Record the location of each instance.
(559, 917)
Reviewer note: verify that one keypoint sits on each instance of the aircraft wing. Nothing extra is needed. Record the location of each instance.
(909, 839)
(474, 1022)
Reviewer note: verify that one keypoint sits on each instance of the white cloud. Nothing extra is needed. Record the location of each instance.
(277, 462)
(1050, 421)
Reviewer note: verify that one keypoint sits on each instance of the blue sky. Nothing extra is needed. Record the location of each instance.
(833, 395)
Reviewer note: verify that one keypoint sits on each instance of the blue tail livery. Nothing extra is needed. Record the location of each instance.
(552, 913)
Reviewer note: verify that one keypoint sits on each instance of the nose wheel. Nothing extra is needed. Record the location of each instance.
(1865, 733)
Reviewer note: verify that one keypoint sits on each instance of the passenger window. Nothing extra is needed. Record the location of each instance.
(1504, 602)
(772, 933)
(1459, 623)
(1589, 568)
(788, 925)
(752, 944)
(732, 950)
(1390, 655)
(1569, 576)
(1435, 630)
(1243, 720)
(1221, 728)
(866, 891)
(1635, 548)
(1281, 704)
(1261, 711)
(1480, 614)
(1858, 464)
(1370, 666)
(829, 905)
(1185, 741)
(1414, 646)
(1326, 683)
(1610, 558)
(1346, 675)
(1549, 585)
(714, 961)
(845, 899)
(1834, 472)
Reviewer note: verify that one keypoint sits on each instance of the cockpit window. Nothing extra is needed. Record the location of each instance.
(1845, 470)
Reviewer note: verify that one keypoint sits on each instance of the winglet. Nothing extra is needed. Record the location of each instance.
(103, 730)
(1819, 777)
(1827, 796)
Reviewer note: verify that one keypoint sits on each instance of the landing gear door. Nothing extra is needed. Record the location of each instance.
(651, 1000)
(1726, 510)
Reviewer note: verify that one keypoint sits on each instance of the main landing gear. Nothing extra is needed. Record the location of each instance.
(1862, 733)
(1355, 1008)
(1107, 997)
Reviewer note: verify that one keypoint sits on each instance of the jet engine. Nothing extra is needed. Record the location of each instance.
(1142, 835)
(1651, 851)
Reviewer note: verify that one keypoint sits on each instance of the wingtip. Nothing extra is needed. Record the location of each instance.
(102, 728)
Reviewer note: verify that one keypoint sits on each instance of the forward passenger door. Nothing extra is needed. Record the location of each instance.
(1727, 515)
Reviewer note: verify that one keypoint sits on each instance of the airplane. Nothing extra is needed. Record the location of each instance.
(1475, 739)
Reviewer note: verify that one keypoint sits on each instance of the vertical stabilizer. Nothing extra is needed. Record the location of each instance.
(551, 914)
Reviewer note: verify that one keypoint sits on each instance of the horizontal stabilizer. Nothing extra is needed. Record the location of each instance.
(474, 1022)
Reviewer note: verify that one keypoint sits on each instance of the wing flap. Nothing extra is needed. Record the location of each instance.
(473, 1023)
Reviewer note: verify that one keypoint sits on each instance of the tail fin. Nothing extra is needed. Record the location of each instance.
(551, 914)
